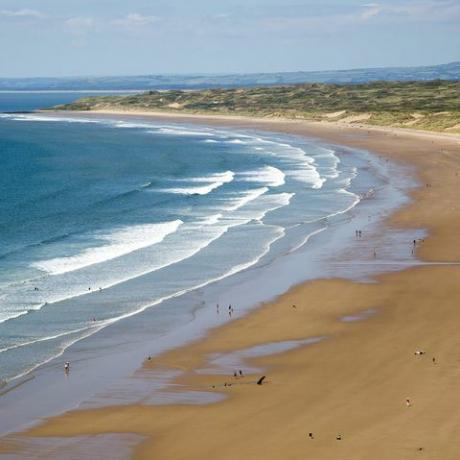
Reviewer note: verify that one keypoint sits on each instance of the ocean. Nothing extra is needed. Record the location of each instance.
(103, 218)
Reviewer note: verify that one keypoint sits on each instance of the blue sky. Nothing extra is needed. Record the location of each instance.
(113, 37)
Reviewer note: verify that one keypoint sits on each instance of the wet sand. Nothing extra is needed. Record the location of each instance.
(355, 381)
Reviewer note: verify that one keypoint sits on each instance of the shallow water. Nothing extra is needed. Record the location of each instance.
(103, 218)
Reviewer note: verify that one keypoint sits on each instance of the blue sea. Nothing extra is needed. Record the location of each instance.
(93, 208)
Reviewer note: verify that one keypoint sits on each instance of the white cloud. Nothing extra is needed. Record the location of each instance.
(371, 10)
(135, 21)
(79, 24)
(433, 11)
(402, 12)
(23, 13)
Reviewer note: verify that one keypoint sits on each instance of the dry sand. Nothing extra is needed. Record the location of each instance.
(354, 383)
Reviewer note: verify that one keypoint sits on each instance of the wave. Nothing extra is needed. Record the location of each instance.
(240, 216)
(302, 167)
(53, 119)
(269, 175)
(121, 242)
(209, 184)
(42, 339)
(12, 315)
(280, 232)
(307, 239)
(308, 175)
(356, 200)
(247, 198)
(52, 239)
(130, 125)
(211, 220)
(60, 352)
(237, 141)
(330, 171)
(257, 210)
(181, 131)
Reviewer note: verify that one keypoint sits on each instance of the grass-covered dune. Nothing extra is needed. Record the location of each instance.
(432, 105)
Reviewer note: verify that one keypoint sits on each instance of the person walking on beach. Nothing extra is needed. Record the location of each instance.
(67, 367)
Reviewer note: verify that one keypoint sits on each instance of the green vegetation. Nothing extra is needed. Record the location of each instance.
(431, 105)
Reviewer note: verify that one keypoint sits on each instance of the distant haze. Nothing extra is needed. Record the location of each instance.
(160, 82)
(113, 37)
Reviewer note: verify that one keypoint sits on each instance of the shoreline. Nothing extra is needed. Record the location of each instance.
(432, 249)
(232, 120)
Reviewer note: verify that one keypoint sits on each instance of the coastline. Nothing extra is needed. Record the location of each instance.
(272, 324)
(240, 120)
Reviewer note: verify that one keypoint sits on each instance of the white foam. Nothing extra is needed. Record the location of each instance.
(356, 200)
(246, 198)
(130, 125)
(299, 166)
(90, 331)
(307, 239)
(211, 220)
(237, 141)
(42, 339)
(257, 210)
(171, 130)
(269, 175)
(120, 242)
(208, 184)
(307, 175)
(8, 315)
(330, 170)
(53, 119)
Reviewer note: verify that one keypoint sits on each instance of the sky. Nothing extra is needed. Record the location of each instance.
(135, 37)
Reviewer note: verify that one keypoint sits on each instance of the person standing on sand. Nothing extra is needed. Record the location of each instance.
(408, 403)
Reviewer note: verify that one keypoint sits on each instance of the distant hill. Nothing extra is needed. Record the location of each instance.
(158, 82)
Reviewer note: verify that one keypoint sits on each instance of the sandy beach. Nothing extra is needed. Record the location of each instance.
(360, 391)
